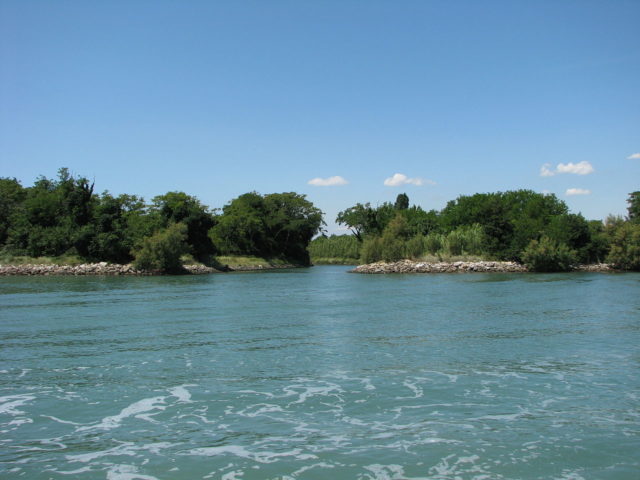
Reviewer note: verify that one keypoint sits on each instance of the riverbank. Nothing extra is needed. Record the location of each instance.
(113, 269)
(413, 266)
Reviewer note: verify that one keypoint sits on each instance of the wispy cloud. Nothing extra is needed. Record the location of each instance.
(327, 182)
(634, 156)
(580, 168)
(545, 171)
(399, 179)
(577, 191)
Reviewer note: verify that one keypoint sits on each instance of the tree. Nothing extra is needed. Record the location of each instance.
(178, 207)
(634, 207)
(365, 220)
(274, 225)
(12, 194)
(546, 255)
(625, 247)
(402, 202)
(162, 251)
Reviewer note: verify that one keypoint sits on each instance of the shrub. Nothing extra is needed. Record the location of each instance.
(546, 255)
(414, 247)
(625, 247)
(433, 243)
(392, 248)
(371, 250)
(162, 251)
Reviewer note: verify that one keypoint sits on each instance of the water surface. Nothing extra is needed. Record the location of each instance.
(317, 374)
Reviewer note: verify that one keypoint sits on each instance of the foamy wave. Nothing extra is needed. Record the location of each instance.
(10, 403)
(127, 472)
(135, 409)
(242, 452)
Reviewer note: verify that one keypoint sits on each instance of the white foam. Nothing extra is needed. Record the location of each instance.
(74, 472)
(417, 391)
(233, 475)
(10, 403)
(55, 419)
(181, 393)
(126, 449)
(137, 408)
(260, 409)
(329, 389)
(389, 472)
(127, 472)
(242, 452)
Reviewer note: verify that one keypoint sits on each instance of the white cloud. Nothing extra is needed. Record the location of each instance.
(580, 168)
(634, 156)
(545, 171)
(401, 179)
(577, 191)
(327, 182)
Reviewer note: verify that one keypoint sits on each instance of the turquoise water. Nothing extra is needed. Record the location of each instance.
(319, 374)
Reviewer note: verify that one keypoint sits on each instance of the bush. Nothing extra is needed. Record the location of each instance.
(433, 243)
(414, 247)
(392, 248)
(625, 247)
(371, 250)
(548, 256)
(162, 251)
(335, 246)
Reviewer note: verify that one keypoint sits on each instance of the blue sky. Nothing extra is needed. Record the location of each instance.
(220, 98)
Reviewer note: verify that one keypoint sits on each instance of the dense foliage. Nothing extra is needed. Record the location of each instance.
(335, 249)
(64, 216)
(279, 225)
(162, 250)
(547, 255)
(520, 225)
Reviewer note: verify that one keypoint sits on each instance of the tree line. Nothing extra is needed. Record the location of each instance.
(521, 225)
(64, 216)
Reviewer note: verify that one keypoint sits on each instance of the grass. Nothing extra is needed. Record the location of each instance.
(239, 261)
(334, 261)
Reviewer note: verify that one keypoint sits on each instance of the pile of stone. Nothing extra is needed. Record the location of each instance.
(412, 266)
(594, 267)
(102, 268)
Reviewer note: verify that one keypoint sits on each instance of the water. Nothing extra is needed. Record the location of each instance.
(318, 374)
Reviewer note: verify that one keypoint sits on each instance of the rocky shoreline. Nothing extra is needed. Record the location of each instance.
(412, 266)
(113, 269)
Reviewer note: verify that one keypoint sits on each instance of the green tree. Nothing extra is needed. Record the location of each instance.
(546, 255)
(162, 251)
(402, 202)
(12, 194)
(178, 207)
(274, 225)
(634, 207)
(365, 220)
(625, 247)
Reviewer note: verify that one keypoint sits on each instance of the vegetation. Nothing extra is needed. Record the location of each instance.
(521, 225)
(162, 250)
(547, 255)
(64, 219)
(625, 247)
(336, 249)
(279, 225)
